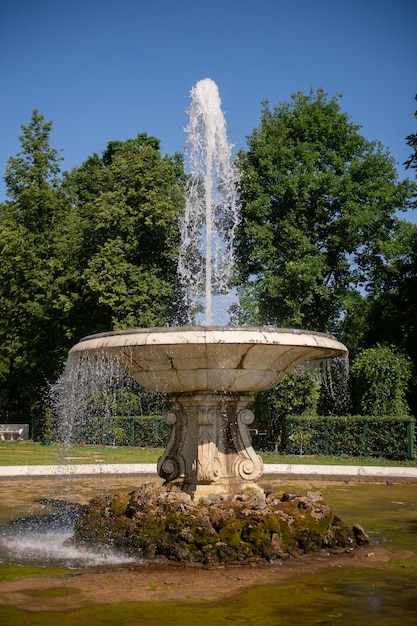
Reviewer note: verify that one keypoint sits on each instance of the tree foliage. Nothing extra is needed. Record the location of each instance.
(392, 304)
(388, 312)
(127, 205)
(318, 204)
(411, 162)
(30, 269)
(380, 377)
(319, 246)
(91, 251)
(298, 392)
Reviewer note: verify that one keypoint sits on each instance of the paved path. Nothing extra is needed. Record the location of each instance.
(345, 472)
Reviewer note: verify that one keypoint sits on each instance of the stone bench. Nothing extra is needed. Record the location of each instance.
(14, 432)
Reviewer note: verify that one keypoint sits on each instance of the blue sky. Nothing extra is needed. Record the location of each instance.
(103, 70)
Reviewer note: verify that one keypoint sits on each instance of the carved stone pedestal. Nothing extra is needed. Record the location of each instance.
(210, 449)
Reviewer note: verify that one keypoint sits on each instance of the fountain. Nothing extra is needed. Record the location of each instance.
(208, 371)
(208, 374)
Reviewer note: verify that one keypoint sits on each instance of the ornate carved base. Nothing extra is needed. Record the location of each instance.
(210, 449)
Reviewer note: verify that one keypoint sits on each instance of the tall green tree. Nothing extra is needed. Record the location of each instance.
(126, 204)
(319, 202)
(391, 304)
(380, 378)
(30, 333)
(411, 162)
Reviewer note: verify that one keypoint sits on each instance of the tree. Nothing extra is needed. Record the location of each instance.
(380, 378)
(392, 303)
(390, 310)
(38, 162)
(297, 394)
(30, 335)
(411, 162)
(127, 205)
(318, 204)
(94, 251)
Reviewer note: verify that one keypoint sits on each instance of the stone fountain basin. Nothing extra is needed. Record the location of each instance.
(209, 359)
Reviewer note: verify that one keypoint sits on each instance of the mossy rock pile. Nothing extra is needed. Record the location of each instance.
(157, 522)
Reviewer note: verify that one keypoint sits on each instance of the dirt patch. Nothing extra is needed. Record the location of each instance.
(169, 583)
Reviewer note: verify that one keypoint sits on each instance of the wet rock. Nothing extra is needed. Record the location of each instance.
(156, 522)
(362, 539)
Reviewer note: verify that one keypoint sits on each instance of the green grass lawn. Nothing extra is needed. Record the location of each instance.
(32, 453)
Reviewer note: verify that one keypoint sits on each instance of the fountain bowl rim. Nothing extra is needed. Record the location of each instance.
(180, 360)
(209, 329)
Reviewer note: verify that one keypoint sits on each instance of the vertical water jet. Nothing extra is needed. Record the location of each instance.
(211, 212)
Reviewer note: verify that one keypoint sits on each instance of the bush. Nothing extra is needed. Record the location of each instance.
(139, 431)
(298, 393)
(380, 378)
(350, 435)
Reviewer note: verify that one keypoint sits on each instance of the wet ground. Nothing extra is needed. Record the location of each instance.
(376, 584)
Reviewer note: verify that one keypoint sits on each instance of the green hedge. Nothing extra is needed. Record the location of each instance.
(139, 431)
(392, 437)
